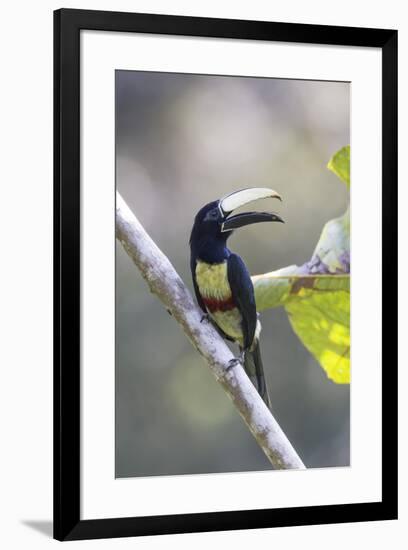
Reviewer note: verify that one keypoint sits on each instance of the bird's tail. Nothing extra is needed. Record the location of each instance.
(254, 368)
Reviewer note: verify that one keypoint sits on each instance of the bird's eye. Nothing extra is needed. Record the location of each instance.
(211, 215)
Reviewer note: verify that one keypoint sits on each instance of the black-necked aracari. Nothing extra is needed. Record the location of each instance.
(222, 283)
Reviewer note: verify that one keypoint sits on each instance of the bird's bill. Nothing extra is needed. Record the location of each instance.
(248, 218)
(231, 202)
(234, 200)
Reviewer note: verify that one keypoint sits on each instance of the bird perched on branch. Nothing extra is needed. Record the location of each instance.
(222, 283)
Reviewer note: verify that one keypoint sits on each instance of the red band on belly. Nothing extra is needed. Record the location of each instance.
(213, 304)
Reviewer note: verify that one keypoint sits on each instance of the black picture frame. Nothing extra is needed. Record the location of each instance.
(67, 26)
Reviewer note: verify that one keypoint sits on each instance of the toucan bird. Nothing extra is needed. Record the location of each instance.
(222, 283)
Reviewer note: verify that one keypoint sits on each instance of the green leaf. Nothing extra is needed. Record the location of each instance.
(316, 295)
(332, 252)
(278, 288)
(318, 307)
(339, 164)
(322, 322)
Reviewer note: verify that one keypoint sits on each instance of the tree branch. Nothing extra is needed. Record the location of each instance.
(166, 284)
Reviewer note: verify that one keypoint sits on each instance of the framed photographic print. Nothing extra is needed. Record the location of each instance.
(216, 368)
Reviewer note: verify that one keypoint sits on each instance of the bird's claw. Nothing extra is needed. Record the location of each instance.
(205, 317)
(233, 363)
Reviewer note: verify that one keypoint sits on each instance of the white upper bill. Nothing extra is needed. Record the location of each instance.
(244, 196)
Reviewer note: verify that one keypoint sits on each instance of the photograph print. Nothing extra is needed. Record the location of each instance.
(244, 185)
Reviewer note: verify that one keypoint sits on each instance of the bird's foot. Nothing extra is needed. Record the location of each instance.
(234, 362)
(205, 317)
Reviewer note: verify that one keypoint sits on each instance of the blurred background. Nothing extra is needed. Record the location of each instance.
(182, 141)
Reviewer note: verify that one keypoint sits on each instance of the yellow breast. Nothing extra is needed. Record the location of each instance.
(212, 280)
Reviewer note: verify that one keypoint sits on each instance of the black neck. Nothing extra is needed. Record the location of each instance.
(209, 249)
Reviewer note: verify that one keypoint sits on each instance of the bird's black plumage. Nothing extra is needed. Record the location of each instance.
(222, 283)
(242, 291)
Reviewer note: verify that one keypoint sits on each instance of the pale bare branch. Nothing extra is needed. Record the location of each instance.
(167, 285)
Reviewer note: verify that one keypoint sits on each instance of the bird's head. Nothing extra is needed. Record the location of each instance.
(215, 222)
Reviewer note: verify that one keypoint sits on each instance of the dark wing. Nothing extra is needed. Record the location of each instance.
(200, 302)
(243, 295)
